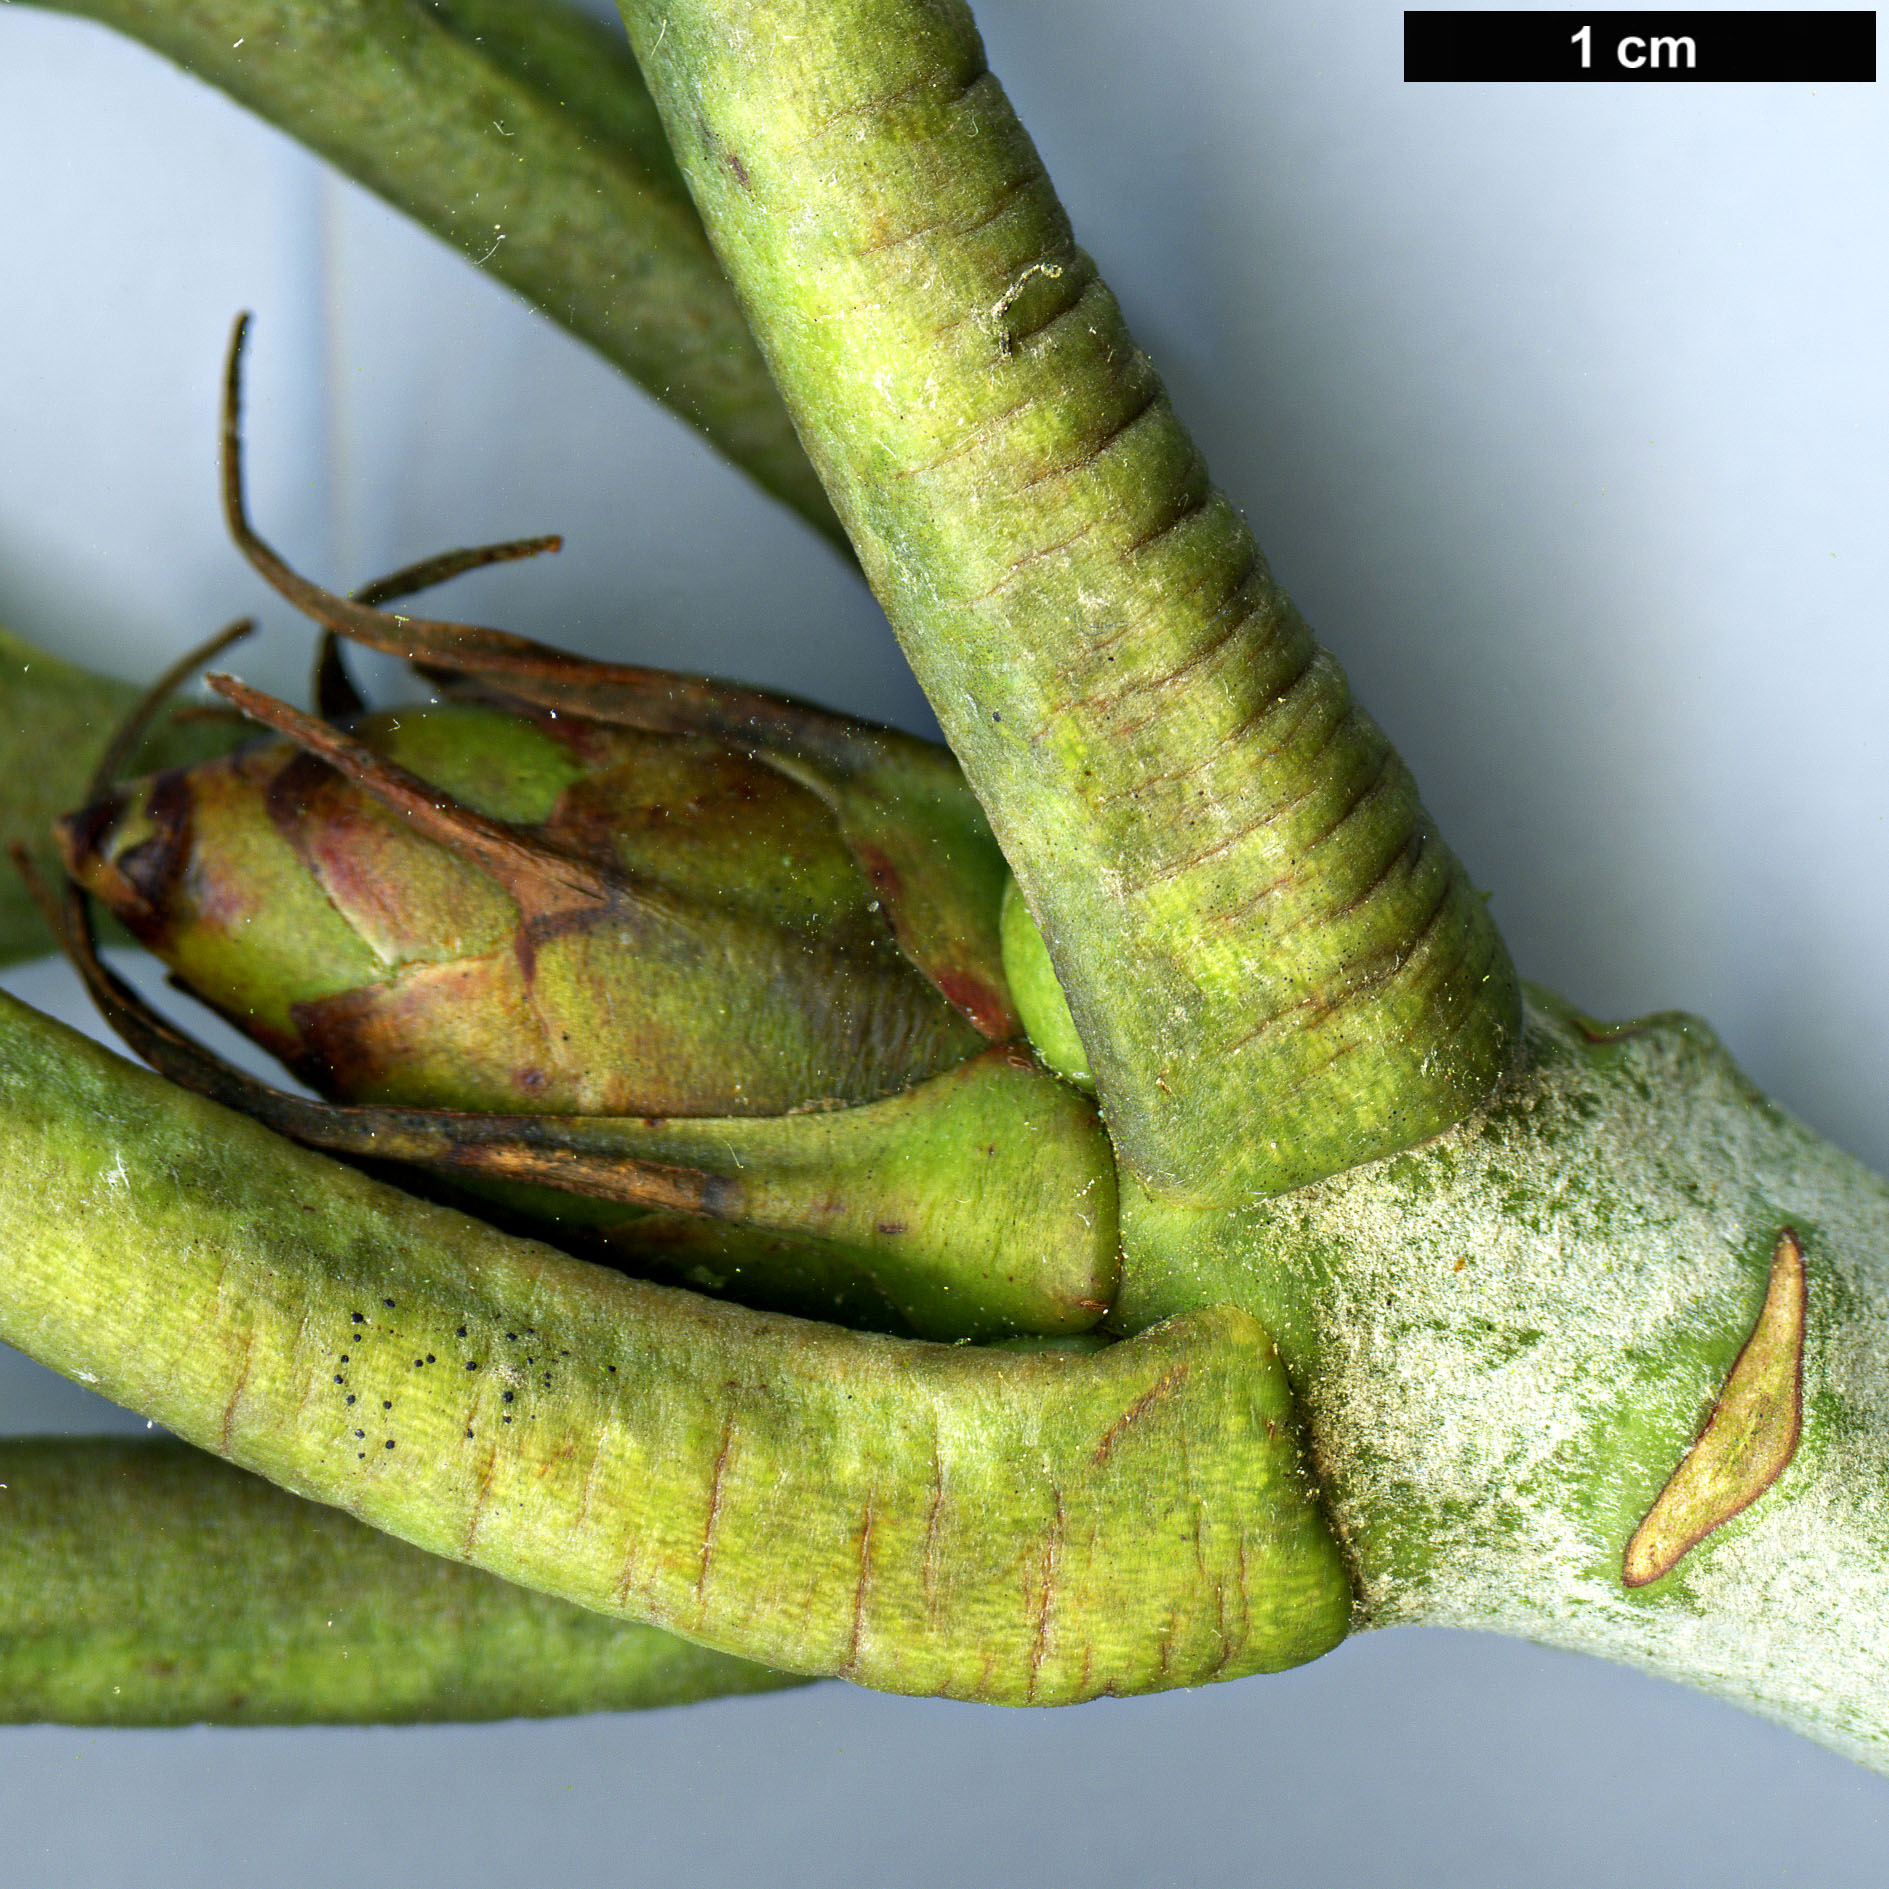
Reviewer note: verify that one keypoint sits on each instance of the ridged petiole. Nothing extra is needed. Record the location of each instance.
(1277, 967)
(144, 1583)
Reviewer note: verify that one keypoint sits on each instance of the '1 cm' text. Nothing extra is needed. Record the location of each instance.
(1636, 51)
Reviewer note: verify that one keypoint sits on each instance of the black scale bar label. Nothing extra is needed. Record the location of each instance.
(1575, 48)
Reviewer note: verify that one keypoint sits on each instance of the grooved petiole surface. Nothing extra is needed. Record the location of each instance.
(1022, 1528)
(1257, 926)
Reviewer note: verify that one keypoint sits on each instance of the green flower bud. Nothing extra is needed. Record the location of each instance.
(774, 971)
(706, 977)
(751, 970)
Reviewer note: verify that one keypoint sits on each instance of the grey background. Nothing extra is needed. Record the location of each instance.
(1563, 414)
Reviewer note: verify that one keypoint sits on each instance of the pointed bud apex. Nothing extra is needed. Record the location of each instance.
(1039, 995)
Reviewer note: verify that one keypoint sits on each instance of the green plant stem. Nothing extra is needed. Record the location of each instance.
(520, 132)
(144, 1583)
(1506, 1341)
(1276, 967)
(1012, 1527)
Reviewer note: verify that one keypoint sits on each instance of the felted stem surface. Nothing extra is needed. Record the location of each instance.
(1508, 1340)
(1276, 966)
(145, 1583)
